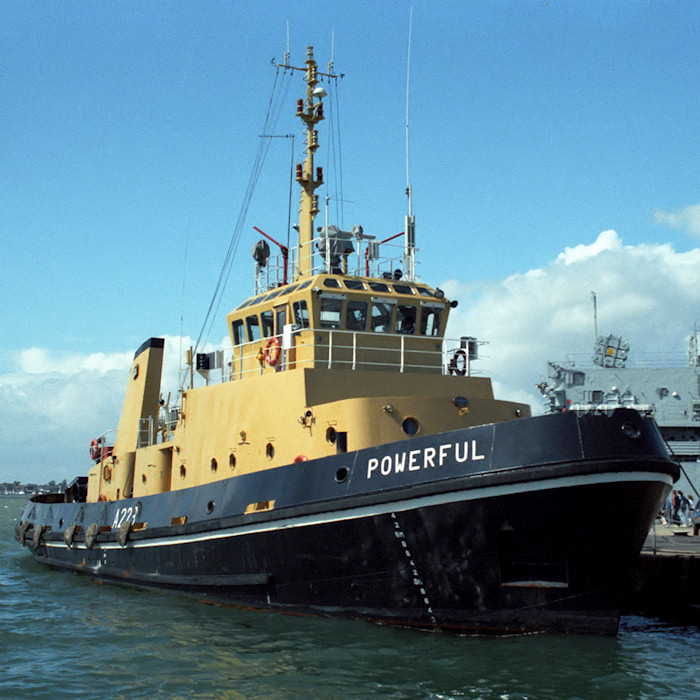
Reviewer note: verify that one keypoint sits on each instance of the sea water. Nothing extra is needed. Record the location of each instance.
(64, 636)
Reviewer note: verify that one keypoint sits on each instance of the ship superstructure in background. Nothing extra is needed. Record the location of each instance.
(341, 459)
(663, 385)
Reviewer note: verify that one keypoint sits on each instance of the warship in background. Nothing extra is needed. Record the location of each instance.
(665, 386)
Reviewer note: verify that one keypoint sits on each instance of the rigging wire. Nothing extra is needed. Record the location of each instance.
(333, 150)
(277, 99)
(181, 377)
(291, 192)
(331, 164)
(275, 104)
(338, 169)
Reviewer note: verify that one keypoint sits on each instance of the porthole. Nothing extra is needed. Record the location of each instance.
(270, 450)
(214, 465)
(630, 430)
(410, 426)
(341, 475)
(210, 507)
(331, 435)
(232, 461)
(183, 471)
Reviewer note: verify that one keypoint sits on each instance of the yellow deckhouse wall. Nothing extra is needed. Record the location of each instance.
(272, 420)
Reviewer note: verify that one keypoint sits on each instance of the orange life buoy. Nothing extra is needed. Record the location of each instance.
(458, 363)
(272, 351)
(95, 450)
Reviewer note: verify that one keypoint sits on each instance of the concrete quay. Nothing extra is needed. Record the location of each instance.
(672, 539)
(666, 580)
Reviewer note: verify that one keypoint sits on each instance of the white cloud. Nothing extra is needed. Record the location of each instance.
(55, 403)
(42, 361)
(48, 419)
(687, 219)
(649, 294)
(607, 240)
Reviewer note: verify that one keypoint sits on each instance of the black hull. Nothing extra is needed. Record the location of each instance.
(541, 540)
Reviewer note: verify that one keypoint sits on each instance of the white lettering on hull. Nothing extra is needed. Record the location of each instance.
(426, 458)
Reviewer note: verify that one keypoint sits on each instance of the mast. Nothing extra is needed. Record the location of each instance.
(595, 316)
(310, 112)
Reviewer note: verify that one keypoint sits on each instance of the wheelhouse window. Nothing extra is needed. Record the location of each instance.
(354, 284)
(301, 313)
(356, 319)
(379, 287)
(238, 334)
(331, 312)
(267, 323)
(281, 290)
(381, 316)
(280, 318)
(430, 321)
(247, 302)
(406, 319)
(253, 325)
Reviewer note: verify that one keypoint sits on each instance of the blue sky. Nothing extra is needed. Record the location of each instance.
(128, 131)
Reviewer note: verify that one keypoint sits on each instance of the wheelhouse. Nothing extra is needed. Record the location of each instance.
(340, 319)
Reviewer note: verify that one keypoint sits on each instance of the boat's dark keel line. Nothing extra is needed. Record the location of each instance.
(490, 555)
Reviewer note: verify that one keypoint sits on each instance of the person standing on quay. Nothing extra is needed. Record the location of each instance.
(675, 504)
(691, 508)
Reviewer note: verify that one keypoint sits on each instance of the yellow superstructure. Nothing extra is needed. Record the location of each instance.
(333, 364)
(329, 363)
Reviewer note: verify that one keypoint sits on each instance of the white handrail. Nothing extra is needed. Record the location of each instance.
(350, 349)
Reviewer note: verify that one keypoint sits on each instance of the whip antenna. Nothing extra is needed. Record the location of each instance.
(408, 83)
(409, 256)
(286, 53)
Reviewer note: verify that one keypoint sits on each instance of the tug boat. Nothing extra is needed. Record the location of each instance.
(343, 459)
